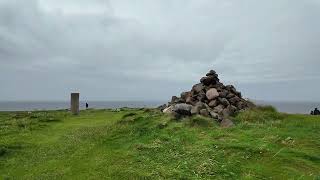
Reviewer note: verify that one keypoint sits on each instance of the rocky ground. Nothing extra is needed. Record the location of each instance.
(209, 98)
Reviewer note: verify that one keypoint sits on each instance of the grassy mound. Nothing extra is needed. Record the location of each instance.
(260, 114)
(139, 143)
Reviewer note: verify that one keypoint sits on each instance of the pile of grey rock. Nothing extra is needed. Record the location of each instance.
(209, 98)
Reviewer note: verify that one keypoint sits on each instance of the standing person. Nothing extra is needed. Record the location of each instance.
(316, 111)
(87, 105)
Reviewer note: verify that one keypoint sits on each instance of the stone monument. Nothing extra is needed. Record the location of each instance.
(75, 103)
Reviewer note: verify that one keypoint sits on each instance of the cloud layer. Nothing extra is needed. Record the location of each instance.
(143, 50)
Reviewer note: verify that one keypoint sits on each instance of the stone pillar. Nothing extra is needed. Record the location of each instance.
(75, 103)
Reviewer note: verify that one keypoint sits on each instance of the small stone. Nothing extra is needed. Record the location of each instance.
(233, 109)
(234, 100)
(200, 105)
(204, 112)
(229, 111)
(229, 87)
(208, 80)
(218, 109)
(224, 101)
(214, 115)
(195, 110)
(184, 95)
(213, 103)
(238, 94)
(162, 107)
(201, 96)
(174, 98)
(226, 123)
(179, 100)
(198, 88)
(189, 100)
(212, 94)
(230, 95)
(211, 73)
(223, 93)
(168, 110)
(241, 105)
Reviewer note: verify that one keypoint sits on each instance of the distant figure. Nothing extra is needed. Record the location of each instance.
(87, 105)
(312, 113)
(316, 111)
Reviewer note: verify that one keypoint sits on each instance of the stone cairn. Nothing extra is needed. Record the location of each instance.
(209, 98)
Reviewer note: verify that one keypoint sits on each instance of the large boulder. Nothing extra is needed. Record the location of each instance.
(182, 109)
(212, 93)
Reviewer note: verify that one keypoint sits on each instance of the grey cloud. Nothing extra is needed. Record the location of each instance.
(151, 50)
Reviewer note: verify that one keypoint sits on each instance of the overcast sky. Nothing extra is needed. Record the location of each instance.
(151, 50)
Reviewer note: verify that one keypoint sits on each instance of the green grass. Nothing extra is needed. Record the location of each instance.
(146, 144)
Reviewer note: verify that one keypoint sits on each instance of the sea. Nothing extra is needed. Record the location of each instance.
(288, 107)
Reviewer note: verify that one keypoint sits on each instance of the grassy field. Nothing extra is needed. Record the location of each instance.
(146, 144)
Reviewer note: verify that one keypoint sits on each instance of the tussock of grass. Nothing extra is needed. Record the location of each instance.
(128, 115)
(260, 114)
(201, 121)
(2, 151)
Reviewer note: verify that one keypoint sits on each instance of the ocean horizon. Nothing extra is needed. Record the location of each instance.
(282, 106)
